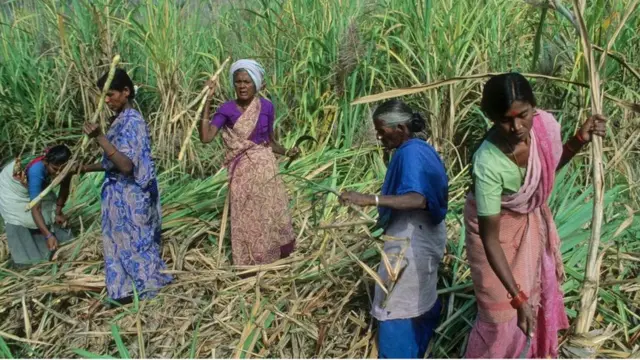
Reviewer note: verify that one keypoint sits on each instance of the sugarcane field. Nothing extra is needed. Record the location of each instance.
(319, 179)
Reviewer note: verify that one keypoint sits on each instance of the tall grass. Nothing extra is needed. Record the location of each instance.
(320, 56)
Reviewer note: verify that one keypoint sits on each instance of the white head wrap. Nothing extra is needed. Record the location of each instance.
(253, 68)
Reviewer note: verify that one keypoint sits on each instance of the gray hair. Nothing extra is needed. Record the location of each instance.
(395, 112)
(395, 118)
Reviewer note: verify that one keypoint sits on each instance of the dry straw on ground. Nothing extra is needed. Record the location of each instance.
(293, 308)
(314, 304)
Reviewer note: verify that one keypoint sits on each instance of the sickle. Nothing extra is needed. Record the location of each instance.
(300, 140)
(525, 351)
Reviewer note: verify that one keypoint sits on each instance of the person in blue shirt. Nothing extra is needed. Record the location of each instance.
(33, 236)
(412, 209)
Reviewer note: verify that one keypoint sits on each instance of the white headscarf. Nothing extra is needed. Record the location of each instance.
(253, 68)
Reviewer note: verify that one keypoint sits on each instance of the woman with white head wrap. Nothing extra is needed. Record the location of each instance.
(261, 229)
(252, 68)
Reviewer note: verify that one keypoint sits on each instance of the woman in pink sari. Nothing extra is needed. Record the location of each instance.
(512, 243)
(261, 229)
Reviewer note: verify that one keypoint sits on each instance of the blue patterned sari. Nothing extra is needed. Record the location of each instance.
(131, 220)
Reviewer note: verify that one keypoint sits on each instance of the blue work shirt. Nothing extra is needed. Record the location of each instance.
(416, 167)
(36, 179)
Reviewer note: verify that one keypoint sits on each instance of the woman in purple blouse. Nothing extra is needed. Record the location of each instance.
(261, 229)
(229, 113)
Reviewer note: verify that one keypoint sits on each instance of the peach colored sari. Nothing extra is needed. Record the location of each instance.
(261, 229)
(531, 243)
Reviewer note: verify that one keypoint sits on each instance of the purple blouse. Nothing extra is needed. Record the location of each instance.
(228, 113)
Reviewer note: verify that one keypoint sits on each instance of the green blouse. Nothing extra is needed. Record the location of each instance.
(494, 175)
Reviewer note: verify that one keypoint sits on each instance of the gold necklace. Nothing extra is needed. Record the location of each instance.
(515, 158)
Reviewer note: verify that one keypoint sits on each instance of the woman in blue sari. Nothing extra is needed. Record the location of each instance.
(131, 218)
(412, 208)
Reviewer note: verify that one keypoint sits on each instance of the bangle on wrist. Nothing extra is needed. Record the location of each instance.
(49, 236)
(518, 300)
(112, 153)
(580, 138)
(377, 201)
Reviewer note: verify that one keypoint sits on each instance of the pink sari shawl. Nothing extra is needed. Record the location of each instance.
(530, 241)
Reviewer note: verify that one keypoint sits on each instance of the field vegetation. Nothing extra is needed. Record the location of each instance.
(320, 56)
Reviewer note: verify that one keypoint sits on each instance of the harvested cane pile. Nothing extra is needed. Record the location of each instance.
(291, 308)
(314, 304)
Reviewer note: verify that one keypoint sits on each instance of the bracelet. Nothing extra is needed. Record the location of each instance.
(377, 200)
(49, 236)
(519, 299)
(113, 153)
(580, 138)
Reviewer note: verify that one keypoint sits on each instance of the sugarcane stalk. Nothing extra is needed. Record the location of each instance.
(193, 103)
(103, 94)
(589, 291)
(203, 101)
(345, 224)
(80, 147)
(223, 225)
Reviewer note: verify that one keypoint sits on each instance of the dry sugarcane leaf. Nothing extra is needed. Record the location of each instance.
(625, 224)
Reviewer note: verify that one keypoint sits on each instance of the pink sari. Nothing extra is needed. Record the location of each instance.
(261, 229)
(531, 245)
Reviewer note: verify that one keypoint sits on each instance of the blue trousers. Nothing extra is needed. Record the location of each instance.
(408, 338)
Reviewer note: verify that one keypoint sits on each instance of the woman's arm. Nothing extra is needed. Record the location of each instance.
(63, 195)
(97, 167)
(119, 160)
(276, 147)
(61, 219)
(569, 150)
(207, 131)
(36, 213)
(490, 235)
(595, 125)
(409, 201)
